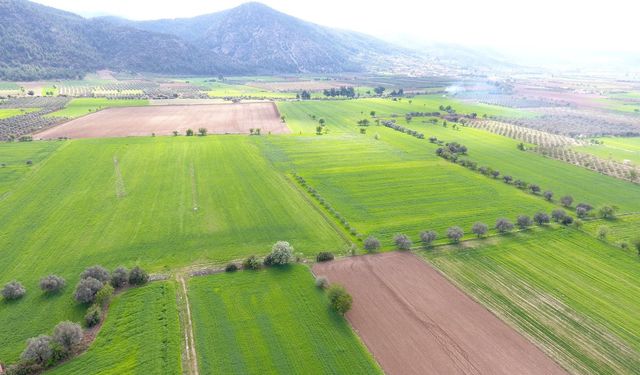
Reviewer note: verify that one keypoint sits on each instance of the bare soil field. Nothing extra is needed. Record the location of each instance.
(163, 120)
(297, 85)
(415, 321)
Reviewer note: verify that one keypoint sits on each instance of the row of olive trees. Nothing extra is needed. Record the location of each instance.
(282, 253)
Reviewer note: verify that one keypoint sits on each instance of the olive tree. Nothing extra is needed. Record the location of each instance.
(504, 225)
(480, 229)
(541, 218)
(427, 237)
(138, 276)
(52, 284)
(607, 212)
(281, 253)
(86, 290)
(339, 299)
(119, 277)
(13, 290)
(38, 350)
(402, 241)
(524, 222)
(371, 244)
(548, 195)
(97, 272)
(566, 201)
(558, 215)
(68, 335)
(455, 233)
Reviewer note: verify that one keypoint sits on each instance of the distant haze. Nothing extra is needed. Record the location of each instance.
(560, 28)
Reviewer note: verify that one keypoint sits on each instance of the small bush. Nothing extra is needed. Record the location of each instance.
(602, 232)
(402, 241)
(13, 290)
(119, 277)
(339, 299)
(324, 256)
(97, 272)
(322, 282)
(371, 244)
(93, 315)
(68, 335)
(251, 263)
(52, 284)
(231, 267)
(138, 276)
(103, 297)
(86, 290)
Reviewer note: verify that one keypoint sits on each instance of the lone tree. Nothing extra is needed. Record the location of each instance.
(541, 218)
(607, 212)
(371, 244)
(558, 215)
(38, 350)
(119, 277)
(427, 237)
(507, 179)
(13, 290)
(189, 133)
(68, 335)
(339, 299)
(86, 290)
(138, 276)
(548, 195)
(566, 201)
(524, 222)
(52, 284)
(202, 132)
(603, 231)
(402, 241)
(480, 229)
(455, 234)
(504, 225)
(97, 272)
(535, 189)
(281, 254)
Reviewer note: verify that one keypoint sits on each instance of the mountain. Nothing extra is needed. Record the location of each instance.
(39, 42)
(269, 41)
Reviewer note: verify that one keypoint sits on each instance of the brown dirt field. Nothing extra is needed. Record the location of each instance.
(163, 120)
(297, 85)
(415, 321)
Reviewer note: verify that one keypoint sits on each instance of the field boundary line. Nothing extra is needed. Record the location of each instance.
(189, 352)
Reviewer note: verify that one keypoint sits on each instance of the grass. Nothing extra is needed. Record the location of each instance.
(574, 295)
(14, 156)
(140, 336)
(82, 106)
(269, 322)
(622, 229)
(615, 148)
(170, 202)
(11, 112)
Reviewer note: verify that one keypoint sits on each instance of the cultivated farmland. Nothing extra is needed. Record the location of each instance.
(415, 322)
(273, 321)
(164, 120)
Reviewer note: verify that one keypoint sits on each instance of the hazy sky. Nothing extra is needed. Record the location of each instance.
(552, 25)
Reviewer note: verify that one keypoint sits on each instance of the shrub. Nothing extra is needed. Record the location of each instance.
(636, 243)
(607, 212)
(24, 368)
(548, 195)
(189, 132)
(324, 256)
(567, 220)
(339, 299)
(566, 201)
(322, 282)
(602, 232)
(38, 350)
(455, 234)
(558, 215)
(541, 218)
(231, 267)
(251, 263)
(581, 212)
(578, 223)
(13, 290)
(86, 290)
(504, 225)
(371, 244)
(97, 272)
(535, 189)
(524, 222)
(52, 284)
(402, 241)
(103, 297)
(281, 253)
(138, 276)
(507, 179)
(428, 236)
(68, 335)
(119, 277)
(480, 229)
(93, 315)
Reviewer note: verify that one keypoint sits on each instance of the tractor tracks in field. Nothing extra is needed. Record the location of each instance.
(120, 190)
(189, 348)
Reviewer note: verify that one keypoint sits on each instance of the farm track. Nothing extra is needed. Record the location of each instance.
(189, 355)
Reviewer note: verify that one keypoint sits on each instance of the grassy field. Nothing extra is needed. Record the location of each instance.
(615, 148)
(623, 229)
(269, 322)
(167, 202)
(140, 336)
(82, 106)
(14, 157)
(577, 297)
(11, 112)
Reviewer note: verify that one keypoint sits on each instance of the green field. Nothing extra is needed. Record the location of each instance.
(615, 148)
(140, 336)
(575, 296)
(82, 106)
(14, 156)
(168, 202)
(11, 112)
(622, 229)
(271, 322)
